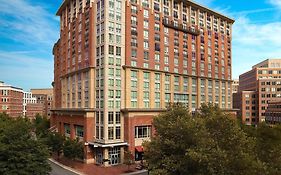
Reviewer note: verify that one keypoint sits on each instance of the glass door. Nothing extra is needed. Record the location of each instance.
(114, 155)
(99, 157)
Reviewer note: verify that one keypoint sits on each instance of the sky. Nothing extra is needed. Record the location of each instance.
(29, 28)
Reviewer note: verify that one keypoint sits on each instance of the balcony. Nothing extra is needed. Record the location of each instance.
(180, 27)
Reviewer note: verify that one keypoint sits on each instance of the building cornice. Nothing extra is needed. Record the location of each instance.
(172, 73)
(74, 111)
(77, 71)
(62, 6)
(126, 110)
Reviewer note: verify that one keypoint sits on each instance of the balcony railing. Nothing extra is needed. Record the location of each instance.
(180, 27)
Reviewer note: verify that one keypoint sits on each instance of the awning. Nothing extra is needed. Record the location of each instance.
(95, 144)
(139, 148)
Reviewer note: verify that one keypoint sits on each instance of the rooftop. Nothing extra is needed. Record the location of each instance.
(188, 2)
(3, 85)
(269, 63)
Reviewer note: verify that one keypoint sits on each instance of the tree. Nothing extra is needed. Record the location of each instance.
(235, 143)
(55, 142)
(20, 152)
(269, 147)
(41, 126)
(207, 143)
(128, 159)
(73, 149)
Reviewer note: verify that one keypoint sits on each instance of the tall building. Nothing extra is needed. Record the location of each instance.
(11, 101)
(257, 88)
(118, 63)
(44, 97)
(235, 86)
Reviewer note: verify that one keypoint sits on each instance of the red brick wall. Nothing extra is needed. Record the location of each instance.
(34, 108)
(87, 123)
(14, 103)
(129, 127)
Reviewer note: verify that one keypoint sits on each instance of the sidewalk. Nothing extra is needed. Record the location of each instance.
(58, 169)
(93, 169)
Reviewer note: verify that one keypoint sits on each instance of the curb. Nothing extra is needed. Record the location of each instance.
(136, 172)
(65, 167)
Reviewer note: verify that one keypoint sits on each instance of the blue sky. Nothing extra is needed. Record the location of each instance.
(28, 30)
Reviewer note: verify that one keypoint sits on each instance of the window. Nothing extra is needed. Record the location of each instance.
(79, 131)
(145, 24)
(146, 75)
(133, 74)
(111, 94)
(157, 76)
(111, 50)
(117, 132)
(118, 51)
(133, 104)
(157, 86)
(145, 13)
(110, 133)
(146, 95)
(142, 131)
(117, 118)
(145, 34)
(146, 85)
(134, 20)
(5, 92)
(110, 117)
(67, 129)
(134, 9)
(157, 57)
(146, 55)
(133, 94)
(146, 45)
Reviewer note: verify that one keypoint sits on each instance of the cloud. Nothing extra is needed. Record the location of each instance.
(23, 69)
(204, 2)
(27, 23)
(27, 33)
(276, 3)
(254, 42)
(248, 12)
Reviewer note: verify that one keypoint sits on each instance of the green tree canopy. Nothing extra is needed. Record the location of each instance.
(55, 142)
(207, 143)
(41, 125)
(269, 147)
(20, 152)
(73, 149)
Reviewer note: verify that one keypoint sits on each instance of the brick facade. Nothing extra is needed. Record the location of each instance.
(11, 100)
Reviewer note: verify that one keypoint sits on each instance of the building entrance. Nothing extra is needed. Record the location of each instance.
(114, 155)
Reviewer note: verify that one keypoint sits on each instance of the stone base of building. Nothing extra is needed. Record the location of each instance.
(88, 161)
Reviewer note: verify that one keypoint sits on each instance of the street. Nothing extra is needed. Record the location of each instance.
(57, 170)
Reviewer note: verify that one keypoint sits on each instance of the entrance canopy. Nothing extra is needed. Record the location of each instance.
(104, 145)
(139, 148)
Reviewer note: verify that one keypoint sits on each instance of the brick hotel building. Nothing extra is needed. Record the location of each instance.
(118, 63)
